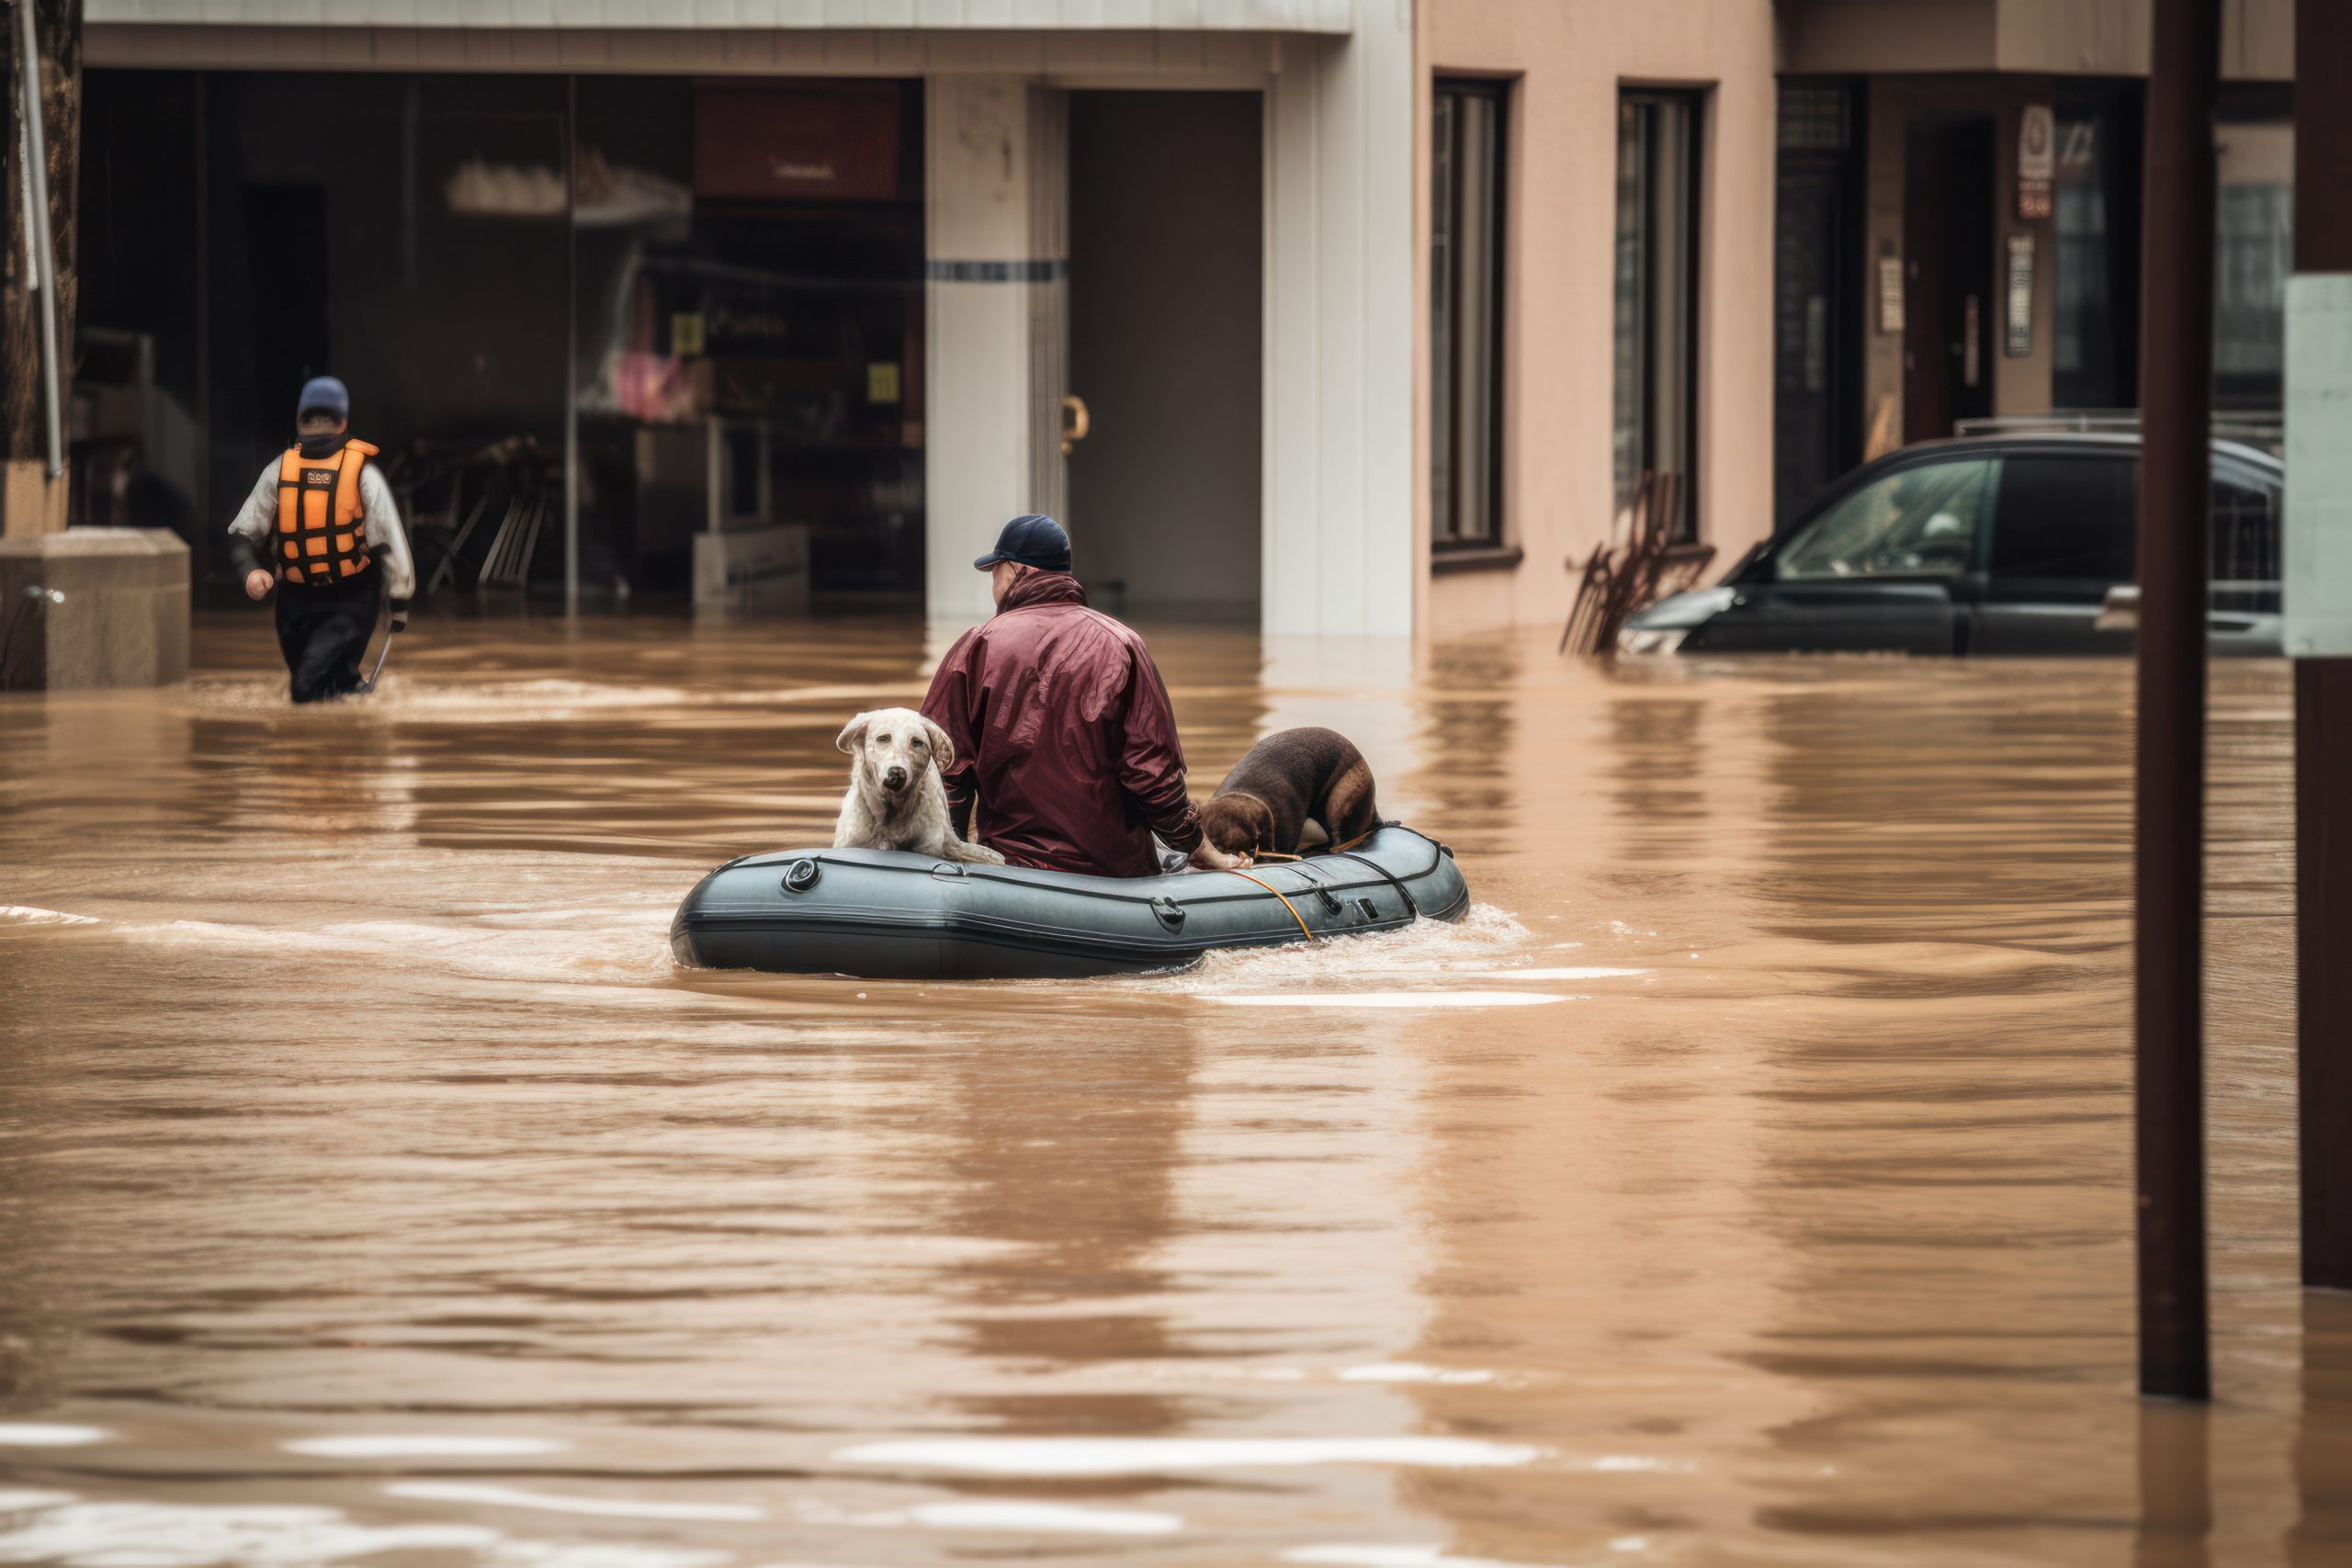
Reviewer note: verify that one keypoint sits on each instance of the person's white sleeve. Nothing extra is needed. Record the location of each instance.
(259, 514)
(385, 533)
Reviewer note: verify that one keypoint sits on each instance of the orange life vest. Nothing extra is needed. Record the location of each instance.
(322, 518)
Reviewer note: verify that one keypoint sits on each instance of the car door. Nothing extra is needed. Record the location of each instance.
(1874, 572)
(2065, 531)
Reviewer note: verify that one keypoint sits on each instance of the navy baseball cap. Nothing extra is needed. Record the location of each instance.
(1034, 539)
(324, 394)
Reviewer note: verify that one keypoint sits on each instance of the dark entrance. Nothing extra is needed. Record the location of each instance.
(1949, 304)
(1165, 225)
(1817, 243)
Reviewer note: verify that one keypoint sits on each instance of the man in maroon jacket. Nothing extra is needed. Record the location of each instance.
(1064, 737)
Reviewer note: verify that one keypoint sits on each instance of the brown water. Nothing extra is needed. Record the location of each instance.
(375, 1191)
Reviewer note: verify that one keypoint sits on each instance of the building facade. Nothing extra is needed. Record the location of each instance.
(1343, 318)
(635, 294)
(1958, 224)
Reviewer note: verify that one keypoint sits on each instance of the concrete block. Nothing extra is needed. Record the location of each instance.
(756, 570)
(123, 619)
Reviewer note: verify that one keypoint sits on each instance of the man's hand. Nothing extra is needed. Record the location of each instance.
(1208, 857)
(400, 615)
(257, 584)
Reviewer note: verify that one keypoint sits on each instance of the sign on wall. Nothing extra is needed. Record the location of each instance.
(811, 141)
(2318, 575)
(2037, 158)
(1890, 293)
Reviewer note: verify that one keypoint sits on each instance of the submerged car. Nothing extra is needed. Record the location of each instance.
(1987, 545)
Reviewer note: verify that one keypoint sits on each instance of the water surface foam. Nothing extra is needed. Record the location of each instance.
(1142, 1456)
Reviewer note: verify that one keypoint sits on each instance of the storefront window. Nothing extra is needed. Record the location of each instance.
(750, 297)
(1656, 358)
(712, 293)
(2254, 214)
(1466, 313)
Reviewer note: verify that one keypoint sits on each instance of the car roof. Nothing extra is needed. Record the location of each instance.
(2085, 441)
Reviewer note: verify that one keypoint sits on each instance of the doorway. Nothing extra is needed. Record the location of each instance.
(1948, 237)
(1165, 352)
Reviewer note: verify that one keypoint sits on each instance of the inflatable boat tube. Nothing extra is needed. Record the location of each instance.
(889, 915)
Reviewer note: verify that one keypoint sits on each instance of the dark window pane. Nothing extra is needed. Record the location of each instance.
(1817, 243)
(2065, 517)
(1466, 313)
(1917, 522)
(2253, 252)
(2245, 532)
(1656, 337)
(1632, 328)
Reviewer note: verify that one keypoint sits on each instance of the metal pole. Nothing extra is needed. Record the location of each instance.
(44, 259)
(571, 350)
(2323, 709)
(2176, 463)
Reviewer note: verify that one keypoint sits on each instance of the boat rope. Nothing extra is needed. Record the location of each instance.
(1329, 849)
(1306, 928)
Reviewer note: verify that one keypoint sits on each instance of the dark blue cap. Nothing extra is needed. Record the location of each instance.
(1032, 540)
(324, 394)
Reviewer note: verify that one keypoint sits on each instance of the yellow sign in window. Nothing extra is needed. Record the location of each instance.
(685, 332)
(882, 383)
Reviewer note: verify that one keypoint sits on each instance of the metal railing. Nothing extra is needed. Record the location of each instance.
(2263, 429)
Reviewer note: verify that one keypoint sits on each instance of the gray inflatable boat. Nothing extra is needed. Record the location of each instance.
(889, 915)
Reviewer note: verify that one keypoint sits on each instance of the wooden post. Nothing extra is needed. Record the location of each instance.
(30, 501)
(2176, 465)
(2323, 710)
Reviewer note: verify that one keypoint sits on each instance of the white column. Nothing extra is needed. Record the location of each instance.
(1338, 550)
(996, 349)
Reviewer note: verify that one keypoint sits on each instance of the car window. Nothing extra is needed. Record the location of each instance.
(2246, 530)
(2067, 516)
(1920, 521)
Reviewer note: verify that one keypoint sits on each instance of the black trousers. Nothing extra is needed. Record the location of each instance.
(323, 630)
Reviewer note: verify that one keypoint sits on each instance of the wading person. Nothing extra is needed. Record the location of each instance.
(320, 528)
(1066, 749)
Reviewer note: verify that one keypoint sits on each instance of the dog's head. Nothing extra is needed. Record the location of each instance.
(891, 747)
(1238, 824)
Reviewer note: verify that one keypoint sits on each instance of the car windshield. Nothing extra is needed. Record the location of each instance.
(1917, 522)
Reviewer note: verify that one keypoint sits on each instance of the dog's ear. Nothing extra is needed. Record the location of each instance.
(943, 751)
(852, 734)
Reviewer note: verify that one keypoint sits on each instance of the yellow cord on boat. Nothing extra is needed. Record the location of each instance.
(1304, 929)
(1326, 849)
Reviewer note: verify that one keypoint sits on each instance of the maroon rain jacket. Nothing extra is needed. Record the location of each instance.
(1064, 733)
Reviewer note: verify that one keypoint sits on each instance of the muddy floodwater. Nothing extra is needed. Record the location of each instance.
(1746, 1182)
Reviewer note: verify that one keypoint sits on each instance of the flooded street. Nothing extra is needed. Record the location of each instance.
(1746, 1182)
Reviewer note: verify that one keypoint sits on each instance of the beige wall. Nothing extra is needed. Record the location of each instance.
(2090, 38)
(1569, 61)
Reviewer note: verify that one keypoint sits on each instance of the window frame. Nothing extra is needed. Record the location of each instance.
(1492, 543)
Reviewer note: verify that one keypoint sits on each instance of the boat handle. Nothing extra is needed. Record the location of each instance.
(947, 871)
(800, 875)
(1170, 912)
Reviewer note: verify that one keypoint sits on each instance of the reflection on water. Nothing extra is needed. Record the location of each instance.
(1745, 1183)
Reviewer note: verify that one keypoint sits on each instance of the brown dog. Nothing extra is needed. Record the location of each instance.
(1292, 781)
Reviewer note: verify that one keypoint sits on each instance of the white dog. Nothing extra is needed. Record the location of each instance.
(894, 799)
